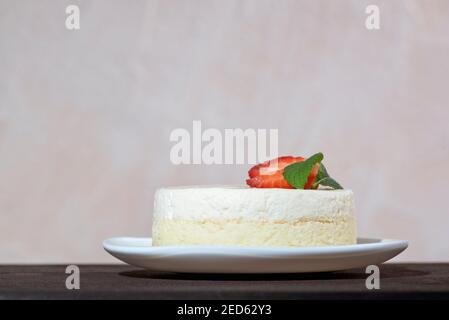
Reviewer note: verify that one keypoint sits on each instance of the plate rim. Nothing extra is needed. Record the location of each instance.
(376, 244)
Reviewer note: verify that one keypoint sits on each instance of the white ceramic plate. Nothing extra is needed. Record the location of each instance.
(139, 252)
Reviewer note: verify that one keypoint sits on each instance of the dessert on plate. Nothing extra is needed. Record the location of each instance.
(289, 201)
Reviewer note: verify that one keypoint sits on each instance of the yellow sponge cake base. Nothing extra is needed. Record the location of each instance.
(306, 231)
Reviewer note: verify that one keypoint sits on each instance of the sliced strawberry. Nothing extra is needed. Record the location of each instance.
(270, 174)
(272, 166)
(269, 181)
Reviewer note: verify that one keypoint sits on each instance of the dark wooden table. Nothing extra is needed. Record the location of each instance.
(397, 281)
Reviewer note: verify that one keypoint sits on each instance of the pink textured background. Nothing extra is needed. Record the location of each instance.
(85, 116)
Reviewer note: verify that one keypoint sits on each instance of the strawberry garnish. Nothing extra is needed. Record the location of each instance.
(270, 173)
(269, 181)
(272, 166)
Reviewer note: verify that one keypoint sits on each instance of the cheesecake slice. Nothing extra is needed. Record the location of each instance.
(242, 216)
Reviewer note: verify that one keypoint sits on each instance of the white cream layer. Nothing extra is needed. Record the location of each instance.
(229, 202)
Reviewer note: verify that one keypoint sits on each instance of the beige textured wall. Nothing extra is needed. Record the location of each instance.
(85, 116)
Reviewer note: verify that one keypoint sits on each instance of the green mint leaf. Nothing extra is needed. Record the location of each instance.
(322, 173)
(328, 182)
(298, 173)
(323, 178)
